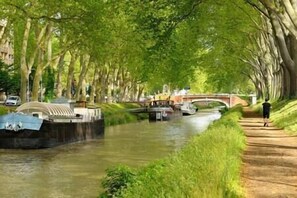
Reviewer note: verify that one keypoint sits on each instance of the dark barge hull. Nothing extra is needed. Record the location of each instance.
(51, 134)
(159, 116)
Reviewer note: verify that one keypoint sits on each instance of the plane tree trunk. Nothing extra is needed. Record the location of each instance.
(71, 82)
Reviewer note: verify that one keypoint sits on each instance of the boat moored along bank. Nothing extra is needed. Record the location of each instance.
(188, 108)
(44, 125)
(163, 110)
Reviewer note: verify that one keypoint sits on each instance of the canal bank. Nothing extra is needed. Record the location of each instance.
(207, 166)
(118, 113)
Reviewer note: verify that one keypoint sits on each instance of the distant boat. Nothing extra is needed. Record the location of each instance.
(187, 108)
(162, 110)
(44, 125)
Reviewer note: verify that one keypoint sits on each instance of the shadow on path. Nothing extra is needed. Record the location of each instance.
(269, 160)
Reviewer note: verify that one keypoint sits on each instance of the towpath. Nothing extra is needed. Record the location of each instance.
(269, 161)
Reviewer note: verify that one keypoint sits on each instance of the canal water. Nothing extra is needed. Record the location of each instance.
(75, 170)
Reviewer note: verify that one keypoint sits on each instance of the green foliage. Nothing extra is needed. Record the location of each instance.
(3, 110)
(117, 179)
(169, 56)
(223, 110)
(117, 113)
(208, 166)
(198, 85)
(155, 42)
(185, 36)
(224, 30)
(10, 79)
(48, 81)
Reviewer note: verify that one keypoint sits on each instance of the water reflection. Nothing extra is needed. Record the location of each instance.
(75, 170)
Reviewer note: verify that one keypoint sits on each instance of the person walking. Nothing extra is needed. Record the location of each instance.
(266, 111)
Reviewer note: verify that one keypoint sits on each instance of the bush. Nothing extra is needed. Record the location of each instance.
(117, 113)
(116, 180)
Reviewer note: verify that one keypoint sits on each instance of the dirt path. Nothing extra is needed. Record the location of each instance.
(269, 161)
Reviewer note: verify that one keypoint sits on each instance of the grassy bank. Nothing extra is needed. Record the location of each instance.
(117, 113)
(284, 115)
(208, 166)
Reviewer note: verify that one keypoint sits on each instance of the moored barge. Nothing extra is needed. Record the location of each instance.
(44, 125)
(163, 110)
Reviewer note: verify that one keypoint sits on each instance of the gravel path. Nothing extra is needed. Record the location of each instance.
(269, 160)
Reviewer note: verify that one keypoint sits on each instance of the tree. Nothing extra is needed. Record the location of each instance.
(9, 81)
(280, 15)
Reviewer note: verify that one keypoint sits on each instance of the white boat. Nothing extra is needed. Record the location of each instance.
(187, 108)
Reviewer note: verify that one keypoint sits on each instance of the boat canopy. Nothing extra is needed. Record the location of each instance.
(46, 108)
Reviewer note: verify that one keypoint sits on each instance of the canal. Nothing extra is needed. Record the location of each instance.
(75, 170)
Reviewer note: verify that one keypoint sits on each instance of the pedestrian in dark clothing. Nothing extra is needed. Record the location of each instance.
(266, 112)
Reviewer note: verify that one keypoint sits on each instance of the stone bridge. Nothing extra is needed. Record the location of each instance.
(230, 100)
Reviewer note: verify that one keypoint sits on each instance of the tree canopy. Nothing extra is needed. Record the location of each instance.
(121, 49)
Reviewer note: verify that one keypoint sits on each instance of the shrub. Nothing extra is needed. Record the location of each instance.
(117, 113)
(116, 180)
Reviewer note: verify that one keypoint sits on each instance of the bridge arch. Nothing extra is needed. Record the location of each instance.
(211, 100)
